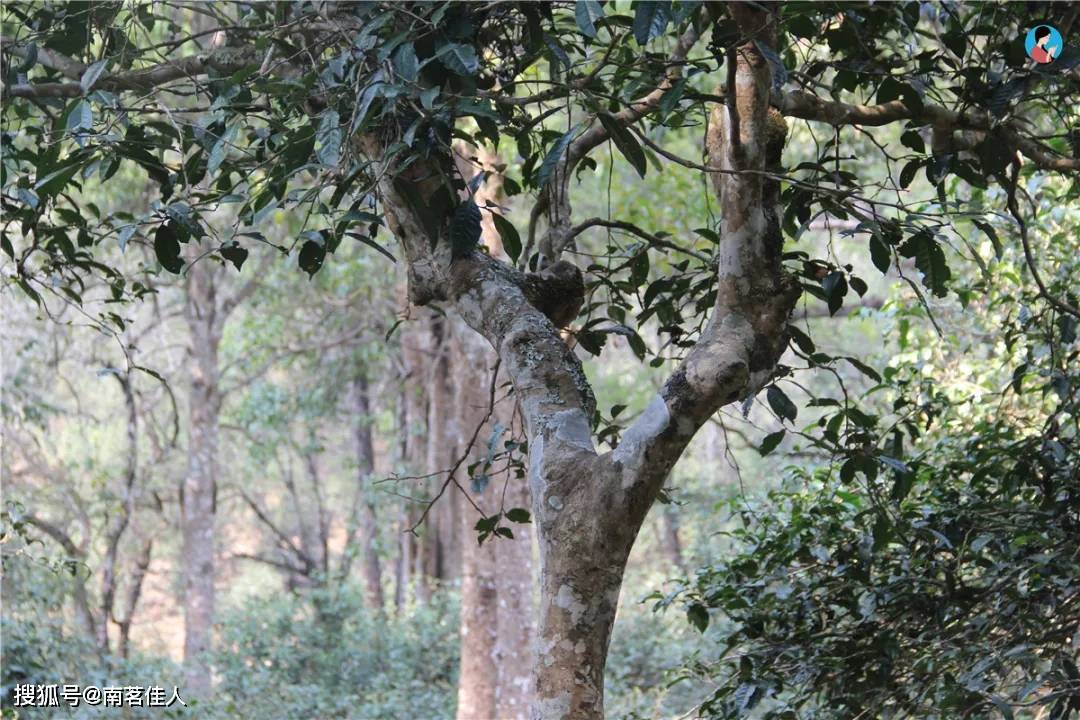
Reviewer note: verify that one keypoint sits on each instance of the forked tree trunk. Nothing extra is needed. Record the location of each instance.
(588, 507)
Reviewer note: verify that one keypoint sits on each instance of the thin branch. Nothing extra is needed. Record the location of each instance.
(635, 230)
(451, 475)
(1029, 256)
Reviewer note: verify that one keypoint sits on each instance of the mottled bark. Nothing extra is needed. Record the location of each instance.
(515, 605)
(505, 645)
(588, 508)
(197, 507)
(478, 673)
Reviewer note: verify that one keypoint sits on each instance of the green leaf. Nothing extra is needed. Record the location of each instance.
(329, 139)
(511, 240)
(370, 242)
(991, 233)
(587, 12)
(427, 96)
(802, 27)
(167, 248)
(486, 524)
(405, 62)
(374, 88)
(465, 229)
(81, 117)
(91, 75)
(30, 292)
(55, 181)
(864, 369)
(312, 256)
(892, 89)
(518, 515)
(220, 151)
(551, 160)
(836, 287)
(908, 173)
(625, 141)
(235, 254)
(505, 532)
(929, 260)
(781, 404)
(698, 616)
(650, 19)
(912, 139)
(672, 97)
(298, 150)
(879, 254)
(460, 58)
(709, 234)
(771, 441)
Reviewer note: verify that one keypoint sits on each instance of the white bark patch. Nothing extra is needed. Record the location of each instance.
(568, 601)
(740, 248)
(536, 461)
(553, 707)
(653, 421)
(555, 502)
(571, 426)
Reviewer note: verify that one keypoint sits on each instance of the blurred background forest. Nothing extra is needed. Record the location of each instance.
(345, 577)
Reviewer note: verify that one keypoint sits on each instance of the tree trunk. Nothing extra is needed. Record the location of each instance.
(197, 510)
(478, 674)
(364, 526)
(588, 507)
(515, 609)
(668, 530)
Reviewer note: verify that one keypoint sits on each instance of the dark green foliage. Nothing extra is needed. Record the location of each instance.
(339, 661)
(930, 568)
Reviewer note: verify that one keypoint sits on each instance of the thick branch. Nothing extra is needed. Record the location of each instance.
(739, 348)
(808, 106)
(226, 60)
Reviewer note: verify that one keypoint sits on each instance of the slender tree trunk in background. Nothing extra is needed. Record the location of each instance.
(668, 531)
(515, 606)
(401, 554)
(365, 528)
(403, 562)
(497, 624)
(142, 564)
(418, 347)
(441, 534)
(197, 510)
(478, 675)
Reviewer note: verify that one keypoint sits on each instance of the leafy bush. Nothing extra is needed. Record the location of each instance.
(327, 656)
(940, 580)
